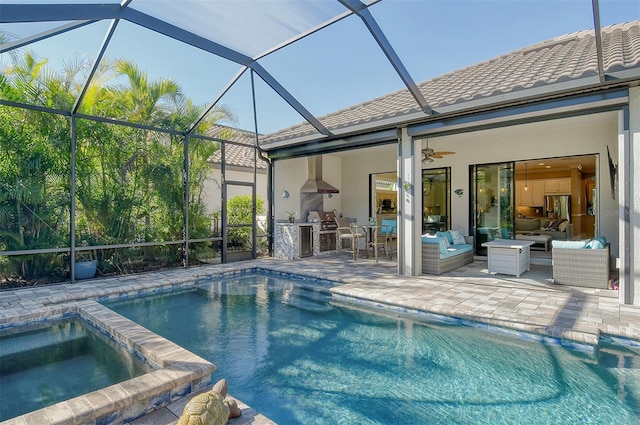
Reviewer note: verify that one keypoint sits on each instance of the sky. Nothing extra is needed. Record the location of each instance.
(331, 69)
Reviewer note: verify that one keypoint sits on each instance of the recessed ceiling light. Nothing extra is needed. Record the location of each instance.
(548, 166)
(542, 163)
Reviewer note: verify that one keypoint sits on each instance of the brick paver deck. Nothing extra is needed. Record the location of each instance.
(530, 304)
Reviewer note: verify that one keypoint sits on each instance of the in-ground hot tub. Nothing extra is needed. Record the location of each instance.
(148, 371)
(48, 362)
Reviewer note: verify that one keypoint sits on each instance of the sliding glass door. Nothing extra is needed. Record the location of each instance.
(436, 199)
(492, 202)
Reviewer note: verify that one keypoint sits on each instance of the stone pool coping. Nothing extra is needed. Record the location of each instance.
(176, 372)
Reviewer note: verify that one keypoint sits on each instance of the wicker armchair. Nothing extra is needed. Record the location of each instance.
(581, 267)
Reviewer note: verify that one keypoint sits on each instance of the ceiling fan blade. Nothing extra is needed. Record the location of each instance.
(436, 155)
(444, 153)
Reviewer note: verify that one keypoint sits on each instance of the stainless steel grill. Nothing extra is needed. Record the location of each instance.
(328, 221)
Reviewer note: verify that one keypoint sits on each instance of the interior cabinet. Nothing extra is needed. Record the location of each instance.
(561, 185)
(536, 188)
(523, 197)
(564, 185)
(533, 196)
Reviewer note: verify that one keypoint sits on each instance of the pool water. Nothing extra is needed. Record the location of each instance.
(293, 354)
(54, 361)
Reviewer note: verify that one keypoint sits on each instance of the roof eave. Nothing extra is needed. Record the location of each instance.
(504, 99)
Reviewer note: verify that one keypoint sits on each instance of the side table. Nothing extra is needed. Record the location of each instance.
(509, 256)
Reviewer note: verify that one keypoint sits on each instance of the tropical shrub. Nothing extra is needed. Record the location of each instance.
(129, 179)
(240, 213)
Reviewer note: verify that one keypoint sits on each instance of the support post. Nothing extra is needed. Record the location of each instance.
(629, 199)
(409, 202)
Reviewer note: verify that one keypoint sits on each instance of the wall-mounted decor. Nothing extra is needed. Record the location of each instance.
(613, 175)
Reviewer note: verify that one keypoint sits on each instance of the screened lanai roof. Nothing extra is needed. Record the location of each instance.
(292, 61)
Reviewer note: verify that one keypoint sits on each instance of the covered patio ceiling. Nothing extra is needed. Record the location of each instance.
(276, 63)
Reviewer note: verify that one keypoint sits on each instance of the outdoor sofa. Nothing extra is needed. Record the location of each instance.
(440, 254)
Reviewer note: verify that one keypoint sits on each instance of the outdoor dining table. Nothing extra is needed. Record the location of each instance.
(371, 232)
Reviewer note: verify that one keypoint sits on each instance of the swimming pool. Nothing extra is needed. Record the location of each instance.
(52, 361)
(293, 353)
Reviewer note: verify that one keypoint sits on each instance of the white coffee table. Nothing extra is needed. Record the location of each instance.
(509, 256)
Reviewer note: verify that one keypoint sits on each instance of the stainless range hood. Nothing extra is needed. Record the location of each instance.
(315, 184)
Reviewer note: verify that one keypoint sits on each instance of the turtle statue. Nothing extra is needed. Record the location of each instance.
(210, 408)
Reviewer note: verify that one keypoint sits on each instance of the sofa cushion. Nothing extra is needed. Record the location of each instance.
(568, 244)
(563, 226)
(454, 250)
(445, 249)
(527, 224)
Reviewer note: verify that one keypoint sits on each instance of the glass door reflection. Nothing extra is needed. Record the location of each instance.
(493, 202)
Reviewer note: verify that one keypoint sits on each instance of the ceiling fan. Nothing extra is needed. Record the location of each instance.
(428, 154)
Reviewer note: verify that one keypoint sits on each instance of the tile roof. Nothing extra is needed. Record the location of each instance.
(235, 155)
(565, 59)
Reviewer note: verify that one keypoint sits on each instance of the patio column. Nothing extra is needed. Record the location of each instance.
(629, 199)
(409, 204)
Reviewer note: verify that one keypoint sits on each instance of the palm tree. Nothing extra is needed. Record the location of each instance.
(129, 180)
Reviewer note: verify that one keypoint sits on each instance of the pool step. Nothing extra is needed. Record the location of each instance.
(308, 298)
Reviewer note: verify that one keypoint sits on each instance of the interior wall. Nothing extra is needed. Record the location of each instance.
(564, 137)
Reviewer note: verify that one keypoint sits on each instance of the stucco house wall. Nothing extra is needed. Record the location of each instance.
(213, 186)
(291, 174)
(350, 171)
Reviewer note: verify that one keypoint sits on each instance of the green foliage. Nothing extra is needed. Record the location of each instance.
(240, 213)
(129, 181)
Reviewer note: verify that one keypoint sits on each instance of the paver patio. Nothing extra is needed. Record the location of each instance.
(529, 304)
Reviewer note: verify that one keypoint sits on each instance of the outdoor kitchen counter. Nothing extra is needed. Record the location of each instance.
(286, 242)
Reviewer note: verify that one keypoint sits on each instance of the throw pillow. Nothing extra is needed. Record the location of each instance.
(563, 226)
(557, 223)
(551, 225)
(444, 246)
(445, 235)
(594, 244)
(457, 237)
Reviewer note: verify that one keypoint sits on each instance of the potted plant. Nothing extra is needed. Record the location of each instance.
(292, 216)
(85, 265)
